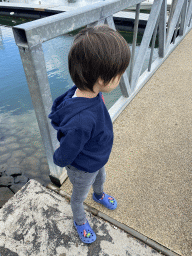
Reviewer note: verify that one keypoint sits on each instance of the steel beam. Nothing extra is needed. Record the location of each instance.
(162, 29)
(155, 10)
(124, 82)
(35, 70)
(134, 41)
(189, 13)
(183, 18)
(173, 22)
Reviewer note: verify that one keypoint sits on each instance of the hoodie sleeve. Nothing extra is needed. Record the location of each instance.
(71, 144)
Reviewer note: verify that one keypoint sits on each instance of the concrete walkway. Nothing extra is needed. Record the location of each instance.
(149, 169)
(37, 221)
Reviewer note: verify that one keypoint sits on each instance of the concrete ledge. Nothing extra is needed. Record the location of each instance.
(37, 221)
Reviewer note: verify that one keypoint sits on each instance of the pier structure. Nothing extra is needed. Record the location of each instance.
(150, 165)
(30, 36)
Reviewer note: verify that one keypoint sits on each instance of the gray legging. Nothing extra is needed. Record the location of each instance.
(82, 182)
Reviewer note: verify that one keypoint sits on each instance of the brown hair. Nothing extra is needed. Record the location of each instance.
(97, 52)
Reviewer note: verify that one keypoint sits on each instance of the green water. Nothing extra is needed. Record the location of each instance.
(12, 21)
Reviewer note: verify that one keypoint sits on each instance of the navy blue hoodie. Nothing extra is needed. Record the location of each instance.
(84, 130)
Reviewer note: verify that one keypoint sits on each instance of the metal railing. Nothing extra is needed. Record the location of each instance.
(30, 36)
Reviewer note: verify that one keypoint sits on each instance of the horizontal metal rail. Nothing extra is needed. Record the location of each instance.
(30, 36)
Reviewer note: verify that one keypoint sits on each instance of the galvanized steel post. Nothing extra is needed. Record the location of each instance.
(162, 29)
(155, 10)
(36, 74)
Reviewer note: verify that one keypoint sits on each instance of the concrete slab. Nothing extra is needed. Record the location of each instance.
(37, 221)
(149, 169)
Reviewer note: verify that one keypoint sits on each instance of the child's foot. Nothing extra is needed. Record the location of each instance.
(106, 200)
(86, 234)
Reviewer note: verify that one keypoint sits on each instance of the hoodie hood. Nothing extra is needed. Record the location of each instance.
(65, 107)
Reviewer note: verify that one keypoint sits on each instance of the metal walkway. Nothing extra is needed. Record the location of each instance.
(149, 169)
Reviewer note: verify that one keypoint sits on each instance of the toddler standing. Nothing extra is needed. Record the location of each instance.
(97, 59)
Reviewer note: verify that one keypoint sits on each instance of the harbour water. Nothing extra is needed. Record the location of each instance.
(20, 140)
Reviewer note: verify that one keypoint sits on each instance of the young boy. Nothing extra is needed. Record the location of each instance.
(97, 59)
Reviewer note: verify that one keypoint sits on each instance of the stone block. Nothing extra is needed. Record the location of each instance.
(16, 187)
(3, 168)
(13, 171)
(2, 173)
(21, 178)
(6, 181)
(5, 195)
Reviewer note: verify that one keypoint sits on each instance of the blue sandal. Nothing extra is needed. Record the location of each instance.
(107, 201)
(86, 234)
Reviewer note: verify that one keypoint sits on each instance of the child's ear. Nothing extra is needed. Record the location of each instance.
(100, 81)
